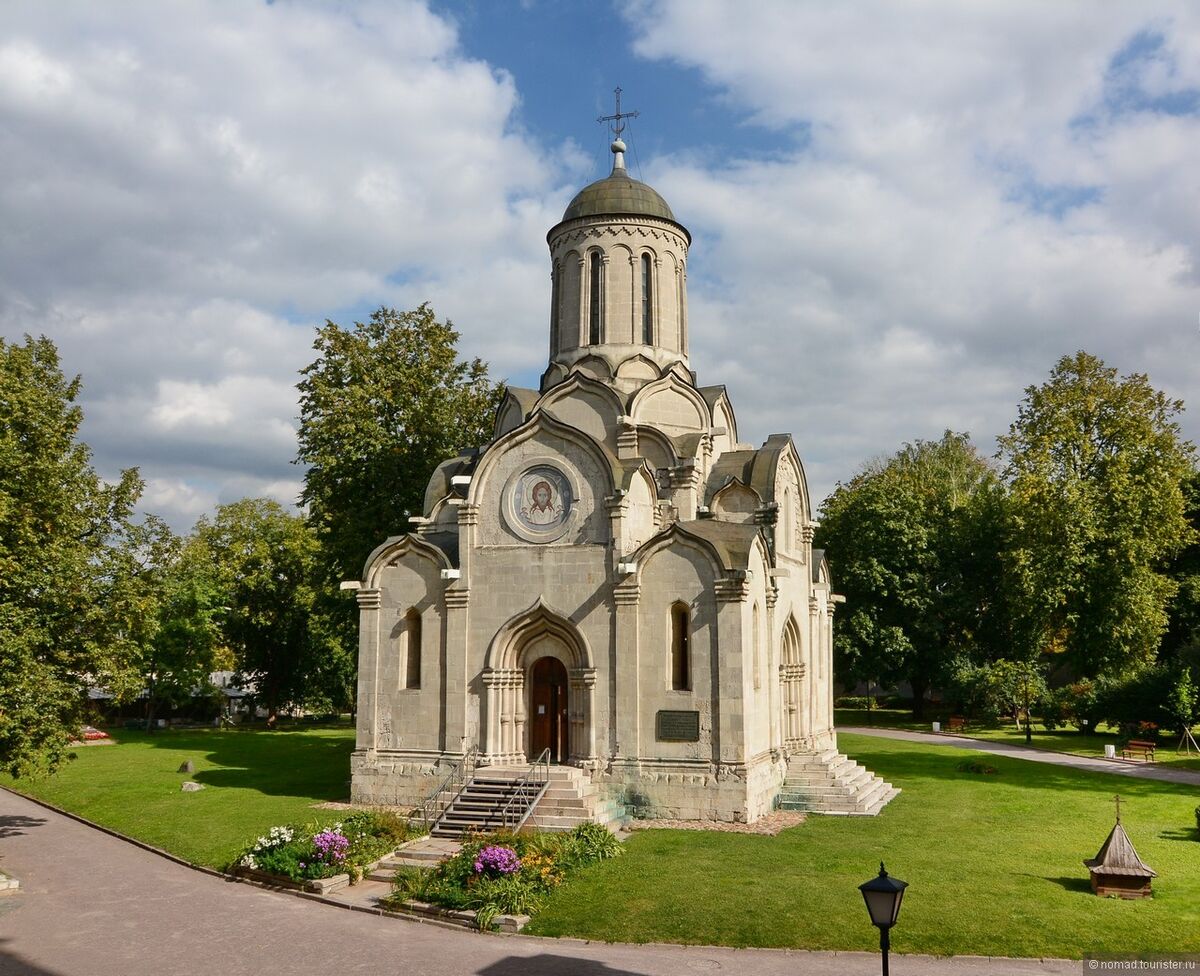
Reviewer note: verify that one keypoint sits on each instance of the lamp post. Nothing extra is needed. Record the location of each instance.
(883, 895)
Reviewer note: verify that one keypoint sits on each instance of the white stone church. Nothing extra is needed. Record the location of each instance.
(615, 582)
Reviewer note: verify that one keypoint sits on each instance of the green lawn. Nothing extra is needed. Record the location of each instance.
(1058, 740)
(994, 864)
(255, 779)
(994, 861)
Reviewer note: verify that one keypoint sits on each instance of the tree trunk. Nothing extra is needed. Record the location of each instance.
(920, 685)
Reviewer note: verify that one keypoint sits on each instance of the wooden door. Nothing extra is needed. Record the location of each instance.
(548, 719)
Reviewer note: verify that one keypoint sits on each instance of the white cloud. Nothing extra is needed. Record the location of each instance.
(187, 189)
(966, 201)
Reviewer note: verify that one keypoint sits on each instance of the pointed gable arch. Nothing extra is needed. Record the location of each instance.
(672, 405)
(736, 502)
(524, 628)
(588, 405)
(639, 369)
(537, 424)
(401, 548)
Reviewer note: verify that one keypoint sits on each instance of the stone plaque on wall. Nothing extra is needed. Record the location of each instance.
(671, 726)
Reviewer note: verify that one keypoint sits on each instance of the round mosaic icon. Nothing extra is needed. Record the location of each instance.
(541, 499)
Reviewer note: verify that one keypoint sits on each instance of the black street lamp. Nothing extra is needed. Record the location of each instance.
(883, 896)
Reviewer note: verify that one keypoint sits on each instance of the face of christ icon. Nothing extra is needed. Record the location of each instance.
(542, 509)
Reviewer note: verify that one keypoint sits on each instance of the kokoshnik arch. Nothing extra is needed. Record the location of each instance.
(614, 577)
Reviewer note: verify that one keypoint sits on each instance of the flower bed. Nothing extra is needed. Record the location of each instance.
(298, 855)
(503, 874)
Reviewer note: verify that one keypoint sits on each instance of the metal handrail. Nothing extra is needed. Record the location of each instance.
(540, 765)
(459, 774)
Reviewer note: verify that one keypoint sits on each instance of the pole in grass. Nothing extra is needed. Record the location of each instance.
(883, 895)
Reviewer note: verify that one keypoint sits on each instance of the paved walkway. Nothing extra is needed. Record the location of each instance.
(1093, 764)
(93, 905)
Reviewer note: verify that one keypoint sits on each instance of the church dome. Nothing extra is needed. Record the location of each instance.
(618, 193)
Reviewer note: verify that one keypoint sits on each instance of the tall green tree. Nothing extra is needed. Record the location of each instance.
(62, 532)
(1094, 466)
(381, 406)
(171, 599)
(909, 548)
(1183, 628)
(264, 559)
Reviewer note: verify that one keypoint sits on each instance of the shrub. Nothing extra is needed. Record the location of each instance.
(321, 851)
(855, 701)
(976, 766)
(506, 873)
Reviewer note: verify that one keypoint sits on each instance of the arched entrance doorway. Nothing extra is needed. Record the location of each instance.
(538, 658)
(549, 717)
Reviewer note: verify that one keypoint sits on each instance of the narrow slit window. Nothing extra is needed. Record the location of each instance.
(555, 279)
(756, 647)
(681, 670)
(596, 297)
(412, 662)
(647, 302)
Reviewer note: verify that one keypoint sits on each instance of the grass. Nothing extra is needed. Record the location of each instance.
(994, 861)
(994, 864)
(1059, 740)
(254, 779)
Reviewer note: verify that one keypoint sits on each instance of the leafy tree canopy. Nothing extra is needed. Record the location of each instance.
(1094, 466)
(264, 560)
(381, 406)
(62, 533)
(904, 548)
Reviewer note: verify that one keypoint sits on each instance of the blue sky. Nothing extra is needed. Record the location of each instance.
(902, 213)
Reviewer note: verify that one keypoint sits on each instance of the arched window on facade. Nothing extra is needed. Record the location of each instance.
(681, 322)
(647, 301)
(756, 646)
(596, 296)
(791, 677)
(555, 284)
(412, 649)
(681, 664)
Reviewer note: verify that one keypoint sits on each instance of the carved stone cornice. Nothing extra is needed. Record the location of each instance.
(732, 589)
(457, 598)
(806, 533)
(627, 594)
(369, 599)
(790, 671)
(772, 596)
(813, 604)
(468, 514)
(583, 677)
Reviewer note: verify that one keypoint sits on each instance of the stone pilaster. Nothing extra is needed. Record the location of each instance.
(625, 691)
(458, 678)
(729, 723)
(369, 610)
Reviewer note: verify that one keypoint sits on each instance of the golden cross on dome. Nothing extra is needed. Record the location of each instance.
(618, 126)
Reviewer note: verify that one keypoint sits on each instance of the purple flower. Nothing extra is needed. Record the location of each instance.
(495, 859)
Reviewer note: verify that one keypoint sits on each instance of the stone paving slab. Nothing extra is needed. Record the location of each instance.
(1092, 764)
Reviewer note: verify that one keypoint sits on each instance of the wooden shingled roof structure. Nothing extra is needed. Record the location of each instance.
(1117, 868)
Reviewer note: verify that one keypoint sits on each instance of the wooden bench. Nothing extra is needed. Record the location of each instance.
(1138, 749)
(957, 723)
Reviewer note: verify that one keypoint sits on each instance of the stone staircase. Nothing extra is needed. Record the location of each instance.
(570, 798)
(830, 783)
(480, 805)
